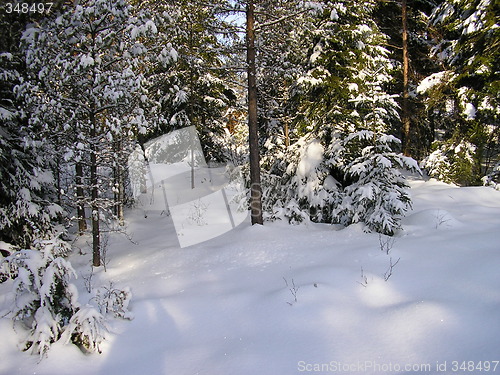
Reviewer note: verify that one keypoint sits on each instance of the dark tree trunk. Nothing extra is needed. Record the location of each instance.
(118, 181)
(253, 137)
(96, 233)
(80, 206)
(406, 95)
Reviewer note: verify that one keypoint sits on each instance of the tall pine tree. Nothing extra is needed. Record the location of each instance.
(84, 82)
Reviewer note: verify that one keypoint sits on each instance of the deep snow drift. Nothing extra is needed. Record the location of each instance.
(280, 300)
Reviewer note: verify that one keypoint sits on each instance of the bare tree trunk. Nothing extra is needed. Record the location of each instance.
(287, 134)
(253, 137)
(406, 95)
(80, 207)
(118, 181)
(96, 233)
(121, 197)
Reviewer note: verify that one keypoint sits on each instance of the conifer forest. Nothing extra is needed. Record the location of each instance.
(347, 125)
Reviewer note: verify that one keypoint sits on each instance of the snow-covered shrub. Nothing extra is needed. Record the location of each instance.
(87, 329)
(298, 186)
(44, 298)
(493, 178)
(114, 301)
(348, 180)
(46, 304)
(452, 162)
(378, 193)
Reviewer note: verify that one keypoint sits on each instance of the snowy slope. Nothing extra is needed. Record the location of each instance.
(227, 306)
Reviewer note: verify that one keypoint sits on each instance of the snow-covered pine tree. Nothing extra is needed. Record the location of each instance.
(462, 100)
(388, 15)
(84, 67)
(28, 207)
(277, 61)
(193, 88)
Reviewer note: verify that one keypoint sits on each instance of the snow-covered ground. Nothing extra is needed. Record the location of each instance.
(282, 300)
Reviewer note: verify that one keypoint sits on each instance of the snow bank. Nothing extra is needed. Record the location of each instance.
(281, 299)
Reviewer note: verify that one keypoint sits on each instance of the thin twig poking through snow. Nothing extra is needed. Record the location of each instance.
(293, 289)
(364, 279)
(388, 273)
(386, 243)
(440, 218)
(87, 279)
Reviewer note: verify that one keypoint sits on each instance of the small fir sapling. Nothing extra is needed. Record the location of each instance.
(46, 303)
(87, 329)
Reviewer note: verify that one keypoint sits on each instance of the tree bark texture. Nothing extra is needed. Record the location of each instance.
(406, 95)
(80, 206)
(94, 184)
(253, 137)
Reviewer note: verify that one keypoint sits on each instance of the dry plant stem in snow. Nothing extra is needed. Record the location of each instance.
(293, 290)
(386, 243)
(388, 273)
(364, 279)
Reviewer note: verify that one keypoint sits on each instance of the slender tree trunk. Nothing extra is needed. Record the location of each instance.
(96, 233)
(121, 197)
(406, 94)
(57, 172)
(118, 181)
(287, 134)
(253, 137)
(80, 207)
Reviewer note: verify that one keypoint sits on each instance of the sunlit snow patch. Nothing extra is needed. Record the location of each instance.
(204, 202)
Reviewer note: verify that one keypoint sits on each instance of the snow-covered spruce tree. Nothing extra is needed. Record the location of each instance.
(84, 67)
(345, 113)
(356, 179)
(298, 187)
(347, 69)
(378, 192)
(463, 99)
